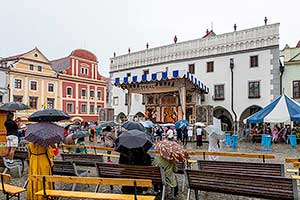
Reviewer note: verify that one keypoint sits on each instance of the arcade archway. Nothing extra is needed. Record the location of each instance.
(224, 115)
(249, 111)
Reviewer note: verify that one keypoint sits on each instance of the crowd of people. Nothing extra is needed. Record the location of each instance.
(279, 132)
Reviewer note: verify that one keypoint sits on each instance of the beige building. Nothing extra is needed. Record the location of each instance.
(32, 81)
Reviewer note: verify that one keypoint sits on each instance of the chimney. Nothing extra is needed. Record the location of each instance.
(234, 27)
(266, 20)
(175, 39)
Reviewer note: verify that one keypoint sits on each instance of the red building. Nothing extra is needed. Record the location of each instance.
(83, 89)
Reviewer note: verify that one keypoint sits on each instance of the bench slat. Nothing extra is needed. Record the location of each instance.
(232, 154)
(92, 195)
(11, 189)
(92, 180)
(291, 160)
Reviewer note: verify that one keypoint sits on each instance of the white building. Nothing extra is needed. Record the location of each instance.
(4, 87)
(253, 53)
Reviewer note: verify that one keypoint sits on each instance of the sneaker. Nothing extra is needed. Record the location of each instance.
(10, 161)
(109, 161)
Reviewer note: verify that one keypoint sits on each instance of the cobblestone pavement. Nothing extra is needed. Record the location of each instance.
(280, 150)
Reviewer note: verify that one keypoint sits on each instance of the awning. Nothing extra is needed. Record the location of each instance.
(158, 76)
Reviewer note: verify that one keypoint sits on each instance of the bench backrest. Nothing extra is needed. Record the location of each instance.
(92, 158)
(131, 171)
(64, 168)
(269, 187)
(5, 177)
(291, 160)
(93, 180)
(242, 167)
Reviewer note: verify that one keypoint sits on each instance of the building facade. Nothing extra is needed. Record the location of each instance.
(83, 89)
(3, 84)
(248, 57)
(291, 73)
(31, 80)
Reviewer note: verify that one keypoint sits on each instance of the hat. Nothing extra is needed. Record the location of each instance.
(171, 150)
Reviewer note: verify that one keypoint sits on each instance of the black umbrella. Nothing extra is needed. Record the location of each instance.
(133, 140)
(108, 123)
(131, 125)
(50, 115)
(13, 106)
(44, 133)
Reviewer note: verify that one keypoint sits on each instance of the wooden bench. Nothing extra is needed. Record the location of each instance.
(8, 190)
(241, 167)
(91, 180)
(68, 168)
(269, 187)
(155, 174)
(82, 159)
(232, 154)
(292, 160)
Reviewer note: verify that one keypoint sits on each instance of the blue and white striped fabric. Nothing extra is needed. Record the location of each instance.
(282, 109)
(162, 76)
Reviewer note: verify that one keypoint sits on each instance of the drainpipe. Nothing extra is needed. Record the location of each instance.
(231, 65)
(281, 70)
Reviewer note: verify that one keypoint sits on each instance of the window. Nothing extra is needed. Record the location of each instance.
(202, 97)
(18, 98)
(84, 70)
(146, 71)
(98, 108)
(83, 92)
(128, 74)
(116, 101)
(99, 95)
(83, 108)
(50, 87)
(69, 107)
(50, 102)
(219, 92)
(296, 89)
(69, 91)
(31, 67)
(92, 109)
(253, 61)
(126, 99)
(1, 99)
(33, 85)
(92, 93)
(33, 102)
(210, 66)
(192, 68)
(18, 83)
(254, 89)
(39, 68)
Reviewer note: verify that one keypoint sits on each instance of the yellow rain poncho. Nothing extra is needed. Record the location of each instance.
(40, 163)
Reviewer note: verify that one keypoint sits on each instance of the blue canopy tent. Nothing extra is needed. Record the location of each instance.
(282, 110)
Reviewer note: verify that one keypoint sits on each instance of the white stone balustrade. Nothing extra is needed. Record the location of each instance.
(253, 38)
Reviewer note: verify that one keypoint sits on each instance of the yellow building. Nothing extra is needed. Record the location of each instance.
(32, 81)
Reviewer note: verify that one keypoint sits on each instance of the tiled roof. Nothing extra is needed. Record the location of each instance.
(298, 44)
(61, 64)
(15, 57)
(209, 34)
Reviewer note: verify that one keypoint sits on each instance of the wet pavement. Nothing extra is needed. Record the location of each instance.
(281, 151)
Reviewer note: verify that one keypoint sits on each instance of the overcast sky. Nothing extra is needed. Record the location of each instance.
(57, 27)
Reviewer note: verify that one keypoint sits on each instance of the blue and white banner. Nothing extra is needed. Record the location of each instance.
(282, 110)
(175, 74)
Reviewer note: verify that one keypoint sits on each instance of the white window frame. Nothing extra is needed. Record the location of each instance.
(84, 104)
(90, 109)
(53, 87)
(115, 101)
(15, 84)
(82, 93)
(36, 85)
(99, 98)
(71, 107)
(67, 91)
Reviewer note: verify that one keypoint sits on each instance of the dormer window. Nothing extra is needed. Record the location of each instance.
(84, 70)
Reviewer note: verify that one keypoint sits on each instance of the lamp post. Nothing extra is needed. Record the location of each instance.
(231, 65)
(281, 70)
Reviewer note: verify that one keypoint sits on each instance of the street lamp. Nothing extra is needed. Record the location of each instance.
(231, 65)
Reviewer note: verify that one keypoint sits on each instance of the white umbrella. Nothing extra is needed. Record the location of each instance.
(214, 131)
(201, 124)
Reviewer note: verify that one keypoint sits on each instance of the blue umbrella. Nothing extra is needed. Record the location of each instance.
(282, 109)
(147, 124)
(180, 124)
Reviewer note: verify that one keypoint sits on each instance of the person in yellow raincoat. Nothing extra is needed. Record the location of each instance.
(40, 163)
